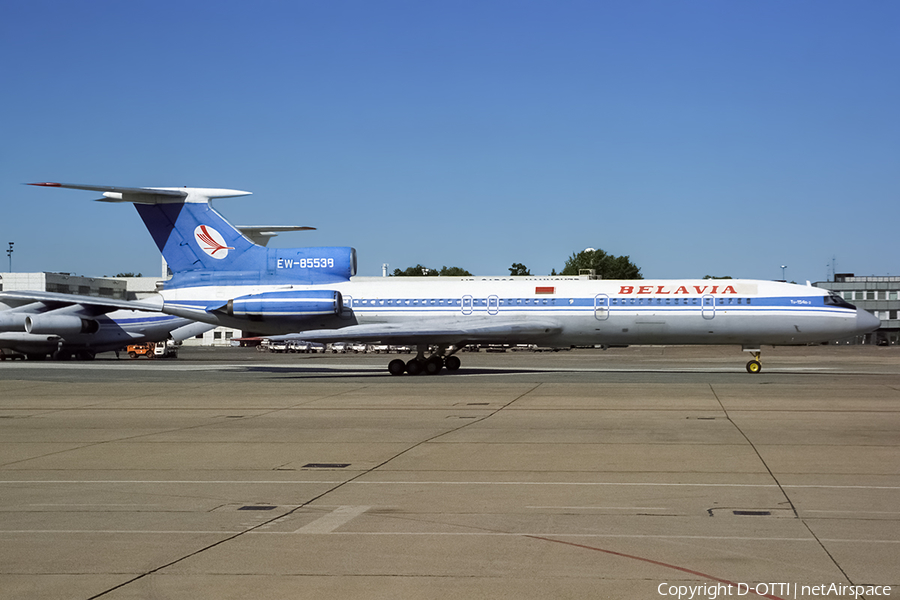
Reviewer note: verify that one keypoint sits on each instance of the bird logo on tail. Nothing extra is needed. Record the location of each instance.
(211, 242)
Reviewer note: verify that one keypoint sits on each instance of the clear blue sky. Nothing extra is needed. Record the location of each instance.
(697, 137)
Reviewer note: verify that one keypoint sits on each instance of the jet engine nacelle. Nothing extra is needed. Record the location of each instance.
(60, 324)
(290, 303)
(12, 321)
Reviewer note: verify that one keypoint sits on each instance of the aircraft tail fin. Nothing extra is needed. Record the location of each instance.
(176, 216)
(202, 248)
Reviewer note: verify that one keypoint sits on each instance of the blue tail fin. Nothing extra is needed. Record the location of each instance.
(202, 248)
(194, 237)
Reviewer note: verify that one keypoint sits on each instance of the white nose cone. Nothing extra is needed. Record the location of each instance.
(866, 321)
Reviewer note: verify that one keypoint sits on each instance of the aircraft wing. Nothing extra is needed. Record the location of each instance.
(494, 330)
(95, 304)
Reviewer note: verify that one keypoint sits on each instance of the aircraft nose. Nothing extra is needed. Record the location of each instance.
(866, 321)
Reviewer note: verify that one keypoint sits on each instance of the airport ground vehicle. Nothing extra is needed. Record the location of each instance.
(6, 353)
(162, 349)
(136, 350)
(277, 346)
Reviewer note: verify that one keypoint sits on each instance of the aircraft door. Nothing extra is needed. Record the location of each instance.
(601, 307)
(493, 305)
(708, 307)
(466, 305)
(347, 311)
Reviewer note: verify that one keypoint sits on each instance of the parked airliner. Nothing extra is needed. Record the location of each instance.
(220, 277)
(35, 324)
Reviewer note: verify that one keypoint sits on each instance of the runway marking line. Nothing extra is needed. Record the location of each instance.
(331, 521)
(651, 561)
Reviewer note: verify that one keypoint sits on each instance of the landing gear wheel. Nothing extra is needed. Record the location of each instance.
(452, 363)
(434, 365)
(754, 366)
(397, 367)
(414, 367)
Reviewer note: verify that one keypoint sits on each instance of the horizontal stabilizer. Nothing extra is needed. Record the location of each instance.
(261, 234)
(150, 195)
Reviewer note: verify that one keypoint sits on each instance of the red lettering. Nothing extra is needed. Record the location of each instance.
(715, 290)
(626, 289)
(729, 290)
(645, 289)
(700, 290)
(682, 290)
(659, 290)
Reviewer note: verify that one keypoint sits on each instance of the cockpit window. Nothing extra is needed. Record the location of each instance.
(835, 300)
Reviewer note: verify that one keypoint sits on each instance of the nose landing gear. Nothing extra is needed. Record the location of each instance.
(754, 366)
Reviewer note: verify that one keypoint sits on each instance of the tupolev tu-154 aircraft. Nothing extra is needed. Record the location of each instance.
(220, 277)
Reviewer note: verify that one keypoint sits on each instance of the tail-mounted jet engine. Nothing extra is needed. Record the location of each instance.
(291, 303)
(60, 324)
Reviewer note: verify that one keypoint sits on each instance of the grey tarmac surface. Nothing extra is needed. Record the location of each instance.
(624, 473)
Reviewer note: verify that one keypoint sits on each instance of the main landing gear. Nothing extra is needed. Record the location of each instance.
(430, 366)
(754, 366)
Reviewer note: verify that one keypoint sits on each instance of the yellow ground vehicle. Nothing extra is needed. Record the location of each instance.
(135, 350)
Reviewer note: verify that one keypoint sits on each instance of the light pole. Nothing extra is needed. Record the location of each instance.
(9, 252)
(783, 267)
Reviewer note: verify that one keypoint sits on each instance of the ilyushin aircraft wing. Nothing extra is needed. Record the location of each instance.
(93, 304)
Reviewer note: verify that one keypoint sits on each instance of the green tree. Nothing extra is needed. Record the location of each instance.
(420, 271)
(454, 272)
(607, 266)
(416, 271)
(718, 277)
(519, 270)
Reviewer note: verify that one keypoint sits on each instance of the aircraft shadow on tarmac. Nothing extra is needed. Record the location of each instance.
(331, 372)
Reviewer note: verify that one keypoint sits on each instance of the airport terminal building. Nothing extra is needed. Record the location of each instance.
(876, 294)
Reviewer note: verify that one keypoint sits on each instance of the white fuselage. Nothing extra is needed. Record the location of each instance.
(746, 312)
